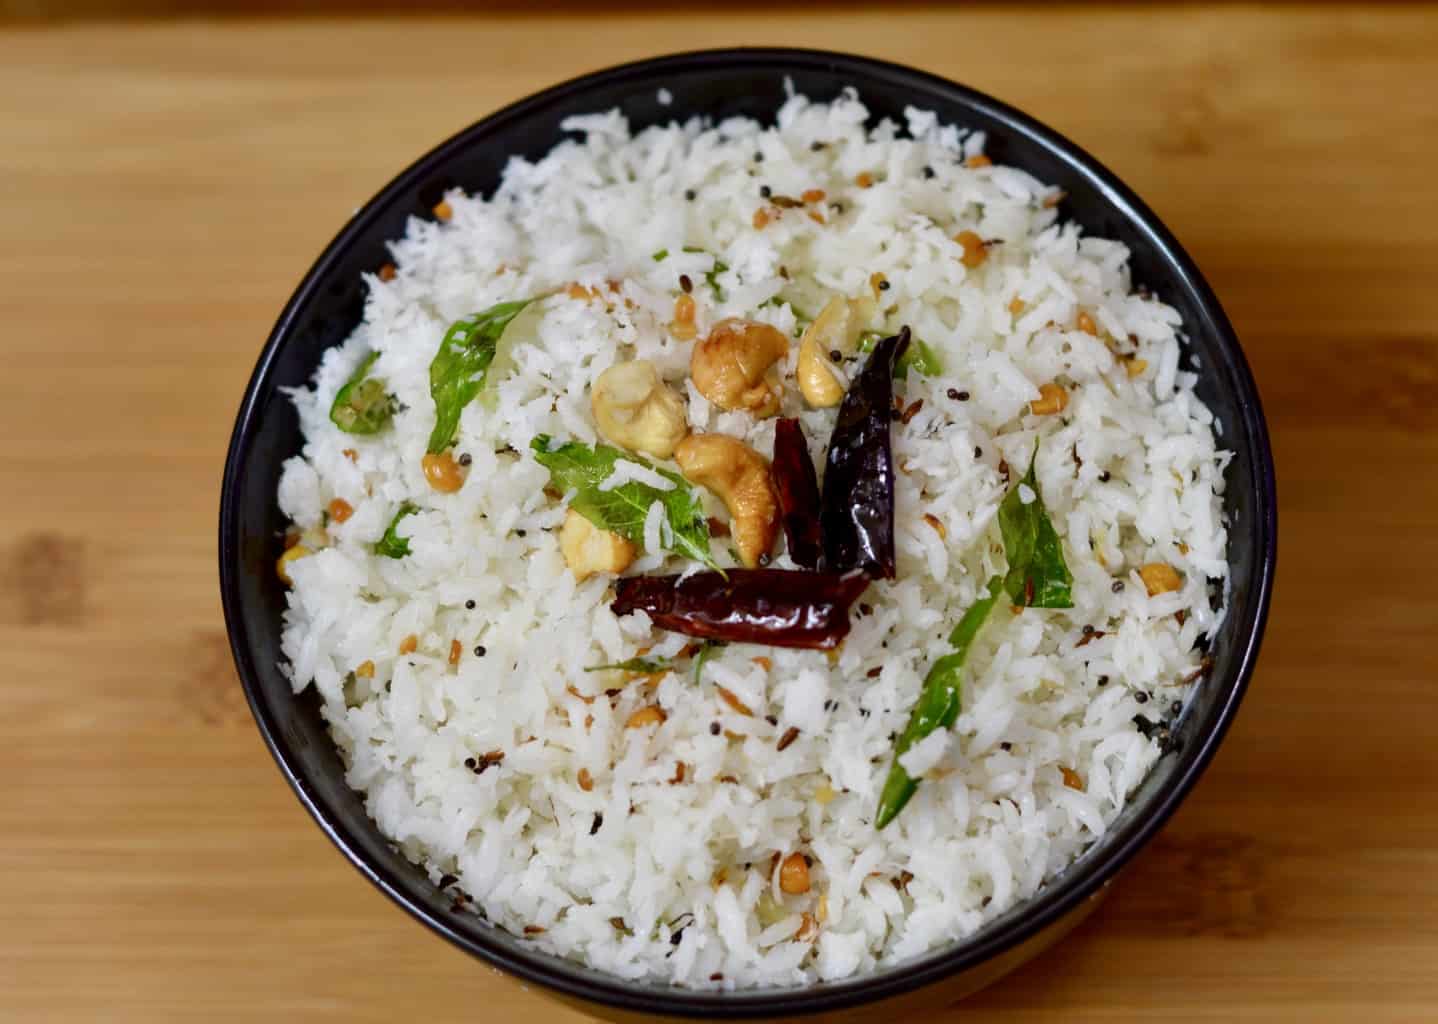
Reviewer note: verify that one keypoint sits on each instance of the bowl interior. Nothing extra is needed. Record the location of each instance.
(328, 305)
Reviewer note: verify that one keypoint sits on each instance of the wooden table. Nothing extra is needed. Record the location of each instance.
(162, 187)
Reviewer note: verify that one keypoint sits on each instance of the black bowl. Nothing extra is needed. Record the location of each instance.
(327, 305)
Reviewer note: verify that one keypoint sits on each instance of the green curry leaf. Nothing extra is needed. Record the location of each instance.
(1037, 576)
(581, 468)
(648, 666)
(457, 372)
(938, 704)
(392, 545)
(651, 666)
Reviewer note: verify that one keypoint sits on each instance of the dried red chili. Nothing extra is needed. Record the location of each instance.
(779, 607)
(798, 489)
(857, 516)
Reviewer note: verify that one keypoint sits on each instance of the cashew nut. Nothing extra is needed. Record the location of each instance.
(730, 367)
(588, 550)
(819, 378)
(740, 476)
(835, 329)
(635, 409)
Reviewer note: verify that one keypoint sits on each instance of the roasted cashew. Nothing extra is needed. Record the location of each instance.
(588, 550)
(635, 409)
(740, 476)
(730, 366)
(835, 329)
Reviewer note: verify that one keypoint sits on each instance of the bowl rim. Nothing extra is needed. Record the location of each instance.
(1079, 882)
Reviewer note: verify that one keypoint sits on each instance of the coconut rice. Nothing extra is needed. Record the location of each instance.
(454, 680)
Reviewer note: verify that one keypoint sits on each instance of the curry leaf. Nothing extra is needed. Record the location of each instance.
(648, 666)
(392, 545)
(362, 406)
(581, 468)
(1037, 577)
(457, 372)
(938, 704)
(651, 666)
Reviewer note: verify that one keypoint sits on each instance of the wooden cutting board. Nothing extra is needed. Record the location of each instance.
(162, 188)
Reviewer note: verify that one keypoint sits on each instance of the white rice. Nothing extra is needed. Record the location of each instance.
(631, 472)
(685, 867)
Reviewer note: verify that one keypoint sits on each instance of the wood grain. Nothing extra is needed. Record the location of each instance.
(163, 186)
